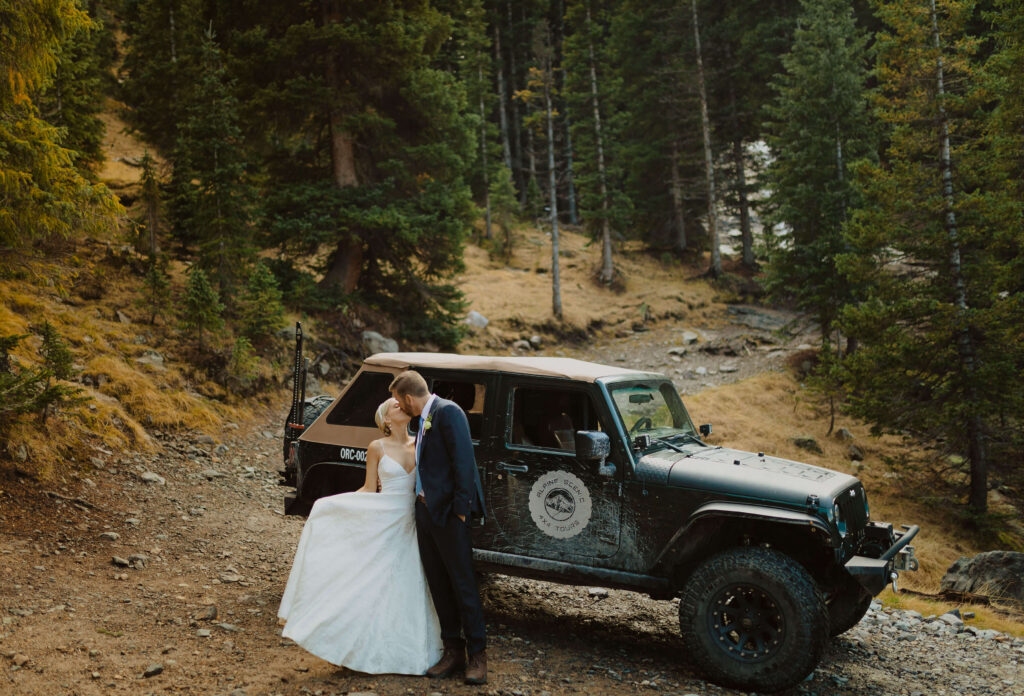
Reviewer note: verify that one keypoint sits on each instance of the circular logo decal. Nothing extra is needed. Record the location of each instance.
(560, 504)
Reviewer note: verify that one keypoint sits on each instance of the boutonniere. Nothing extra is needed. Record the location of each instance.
(427, 423)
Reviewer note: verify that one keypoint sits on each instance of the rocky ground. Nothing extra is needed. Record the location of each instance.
(161, 573)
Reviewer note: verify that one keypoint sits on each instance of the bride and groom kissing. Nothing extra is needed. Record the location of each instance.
(357, 595)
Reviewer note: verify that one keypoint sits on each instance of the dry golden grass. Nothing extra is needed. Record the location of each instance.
(133, 396)
(518, 295)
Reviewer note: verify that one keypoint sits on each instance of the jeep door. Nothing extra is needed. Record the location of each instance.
(542, 500)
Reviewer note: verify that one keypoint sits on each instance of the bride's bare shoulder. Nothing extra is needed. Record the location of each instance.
(376, 447)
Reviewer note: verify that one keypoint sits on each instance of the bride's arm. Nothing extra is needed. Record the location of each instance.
(373, 454)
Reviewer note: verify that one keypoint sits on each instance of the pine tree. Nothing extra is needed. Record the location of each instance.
(44, 195)
(819, 127)
(57, 365)
(588, 85)
(933, 357)
(20, 389)
(151, 203)
(260, 310)
(213, 196)
(74, 96)
(201, 310)
(156, 288)
(160, 65)
(369, 150)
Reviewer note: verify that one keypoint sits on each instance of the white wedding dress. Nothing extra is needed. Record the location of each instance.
(357, 595)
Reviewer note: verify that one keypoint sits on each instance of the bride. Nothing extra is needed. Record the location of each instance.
(356, 595)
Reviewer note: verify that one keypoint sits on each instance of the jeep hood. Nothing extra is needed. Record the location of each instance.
(742, 474)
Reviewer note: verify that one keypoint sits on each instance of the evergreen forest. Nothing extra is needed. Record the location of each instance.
(862, 160)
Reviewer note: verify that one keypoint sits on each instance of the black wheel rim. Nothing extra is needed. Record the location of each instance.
(746, 623)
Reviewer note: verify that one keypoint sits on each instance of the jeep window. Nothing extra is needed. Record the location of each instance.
(468, 395)
(651, 408)
(360, 401)
(549, 418)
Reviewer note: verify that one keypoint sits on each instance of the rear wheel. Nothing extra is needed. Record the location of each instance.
(754, 619)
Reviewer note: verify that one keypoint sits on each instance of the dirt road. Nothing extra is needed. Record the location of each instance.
(207, 555)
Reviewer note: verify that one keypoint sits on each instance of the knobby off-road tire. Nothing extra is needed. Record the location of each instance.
(847, 607)
(753, 619)
(312, 410)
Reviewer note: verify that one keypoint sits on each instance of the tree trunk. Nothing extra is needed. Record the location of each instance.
(607, 269)
(556, 290)
(506, 150)
(346, 263)
(571, 193)
(705, 125)
(739, 161)
(483, 158)
(170, 21)
(978, 496)
(532, 158)
(677, 201)
(517, 140)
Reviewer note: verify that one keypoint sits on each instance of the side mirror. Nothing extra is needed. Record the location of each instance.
(593, 446)
(705, 430)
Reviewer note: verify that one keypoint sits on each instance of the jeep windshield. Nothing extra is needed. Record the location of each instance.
(652, 408)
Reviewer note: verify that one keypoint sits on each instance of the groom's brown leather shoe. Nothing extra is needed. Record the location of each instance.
(476, 670)
(452, 659)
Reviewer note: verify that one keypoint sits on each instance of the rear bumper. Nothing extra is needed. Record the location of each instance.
(875, 573)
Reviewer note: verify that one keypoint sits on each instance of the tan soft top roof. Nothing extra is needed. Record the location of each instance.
(551, 367)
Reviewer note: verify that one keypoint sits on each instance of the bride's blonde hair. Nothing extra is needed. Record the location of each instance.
(382, 411)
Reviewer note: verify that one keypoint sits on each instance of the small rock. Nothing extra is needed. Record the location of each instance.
(536, 341)
(522, 345)
(122, 317)
(221, 449)
(211, 474)
(728, 367)
(231, 426)
(476, 320)
(206, 614)
(230, 577)
(203, 633)
(968, 615)
(110, 536)
(856, 454)
(150, 477)
(952, 620)
(151, 357)
(21, 454)
(153, 670)
(20, 660)
(204, 440)
(133, 521)
(689, 337)
(118, 561)
(323, 367)
(807, 442)
(844, 435)
(597, 592)
(230, 628)
(701, 371)
(138, 560)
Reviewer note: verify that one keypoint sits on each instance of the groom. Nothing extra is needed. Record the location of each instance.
(448, 496)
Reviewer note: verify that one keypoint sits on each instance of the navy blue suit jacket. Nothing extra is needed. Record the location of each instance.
(448, 473)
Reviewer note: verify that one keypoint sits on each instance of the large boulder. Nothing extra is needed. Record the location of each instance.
(373, 342)
(994, 574)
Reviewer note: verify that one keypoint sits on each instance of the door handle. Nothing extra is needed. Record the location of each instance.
(518, 468)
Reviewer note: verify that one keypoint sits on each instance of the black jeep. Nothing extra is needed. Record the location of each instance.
(596, 475)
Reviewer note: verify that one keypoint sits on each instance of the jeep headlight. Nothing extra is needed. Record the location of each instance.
(837, 514)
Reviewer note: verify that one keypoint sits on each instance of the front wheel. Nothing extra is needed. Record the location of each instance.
(753, 619)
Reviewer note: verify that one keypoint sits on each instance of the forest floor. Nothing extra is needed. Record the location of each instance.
(161, 572)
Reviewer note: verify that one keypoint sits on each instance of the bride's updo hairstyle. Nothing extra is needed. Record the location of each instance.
(382, 411)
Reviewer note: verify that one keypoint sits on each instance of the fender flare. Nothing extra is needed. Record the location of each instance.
(328, 478)
(736, 511)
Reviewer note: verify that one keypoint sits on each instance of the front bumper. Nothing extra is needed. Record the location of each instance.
(874, 573)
